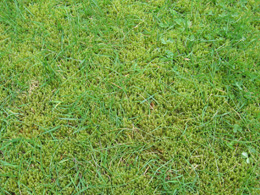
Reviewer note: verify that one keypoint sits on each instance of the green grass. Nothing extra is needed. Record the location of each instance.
(129, 97)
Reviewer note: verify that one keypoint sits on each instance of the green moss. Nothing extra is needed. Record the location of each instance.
(129, 97)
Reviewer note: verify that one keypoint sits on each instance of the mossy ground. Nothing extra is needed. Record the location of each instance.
(129, 97)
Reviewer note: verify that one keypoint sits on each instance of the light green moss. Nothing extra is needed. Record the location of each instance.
(129, 97)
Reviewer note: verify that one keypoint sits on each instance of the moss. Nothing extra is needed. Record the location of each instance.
(129, 97)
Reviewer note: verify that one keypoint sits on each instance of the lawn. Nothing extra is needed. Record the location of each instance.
(129, 97)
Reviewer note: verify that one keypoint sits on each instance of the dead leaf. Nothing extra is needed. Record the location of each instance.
(151, 105)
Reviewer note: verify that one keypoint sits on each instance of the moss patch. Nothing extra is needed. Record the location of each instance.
(129, 97)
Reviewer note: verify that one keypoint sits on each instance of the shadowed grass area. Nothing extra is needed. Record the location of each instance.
(129, 97)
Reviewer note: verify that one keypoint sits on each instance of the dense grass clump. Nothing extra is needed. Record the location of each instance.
(129, 97)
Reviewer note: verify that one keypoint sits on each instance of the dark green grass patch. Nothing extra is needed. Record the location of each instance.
(129, 97)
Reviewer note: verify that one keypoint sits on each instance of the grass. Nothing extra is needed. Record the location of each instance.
(129, 97)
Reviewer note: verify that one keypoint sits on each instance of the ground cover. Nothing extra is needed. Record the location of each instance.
(129, 97)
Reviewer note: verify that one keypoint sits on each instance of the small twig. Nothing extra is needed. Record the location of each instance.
(116, 85)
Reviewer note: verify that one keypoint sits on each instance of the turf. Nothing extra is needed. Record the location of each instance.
(129, 97)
